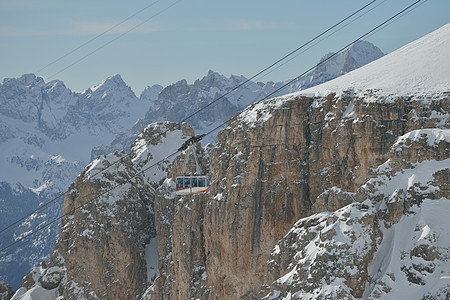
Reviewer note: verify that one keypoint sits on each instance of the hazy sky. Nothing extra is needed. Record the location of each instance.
(183, 39)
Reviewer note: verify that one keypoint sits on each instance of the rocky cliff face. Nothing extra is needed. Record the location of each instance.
(277, 163)
(107, 243)
(389, 242)
(317, 166)
(181, 237)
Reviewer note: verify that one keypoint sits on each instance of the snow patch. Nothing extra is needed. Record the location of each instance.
(35, 293)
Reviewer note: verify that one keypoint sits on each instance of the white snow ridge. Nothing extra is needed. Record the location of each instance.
(415, 69)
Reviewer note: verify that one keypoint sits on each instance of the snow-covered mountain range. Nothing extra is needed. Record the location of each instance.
(48, 133)
(339, 191)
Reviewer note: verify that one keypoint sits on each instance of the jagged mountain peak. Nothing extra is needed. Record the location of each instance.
(151, 92)
(113, 84)
(115, 79)
(357, 55)
(31, 81)
(364, 52)
(28, 80)
(214, 80)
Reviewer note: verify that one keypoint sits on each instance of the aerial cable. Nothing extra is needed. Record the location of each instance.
(265, 69)
(401, 13)
(281, 59)
(85, 203)
(322, 39)
(96, 37)
(158, 13)
(310, 46)
(214, 101)
(395, 17)
(113, 40)
(32, 212)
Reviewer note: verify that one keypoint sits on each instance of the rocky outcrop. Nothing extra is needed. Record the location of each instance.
(288, 159)
(107, 242)
(179, 224)
(306, 147)
(339, 195)
(6, 291)
(274, 164)
(391, 242)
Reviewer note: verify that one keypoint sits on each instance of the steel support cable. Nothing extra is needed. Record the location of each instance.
(396, 16)
(84, 57)
(88, 202)
(96, 37)
(214, 101)
(264, 70)
(32, 212)
(306, 49)
(265, 98)
(324, 38)
(113, 40)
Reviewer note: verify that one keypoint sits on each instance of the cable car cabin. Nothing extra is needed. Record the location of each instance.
(187, 185)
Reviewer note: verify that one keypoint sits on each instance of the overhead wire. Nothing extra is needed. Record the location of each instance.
(211, 103)
(85, 203)
(306, 49)
(324, 38)
(113, 40)
(96, 37)
(395, 19)
(323, 61)
(79, 60)
(401, 13)
(267, 68)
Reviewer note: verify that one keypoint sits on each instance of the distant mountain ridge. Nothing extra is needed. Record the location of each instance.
(49, 133)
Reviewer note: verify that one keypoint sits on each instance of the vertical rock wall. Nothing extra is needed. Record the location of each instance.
(269, 166)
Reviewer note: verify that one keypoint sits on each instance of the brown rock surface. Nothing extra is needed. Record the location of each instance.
(266, 174)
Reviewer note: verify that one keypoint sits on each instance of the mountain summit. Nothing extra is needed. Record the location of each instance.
(356, 56)
(359, 54)
(417, 68)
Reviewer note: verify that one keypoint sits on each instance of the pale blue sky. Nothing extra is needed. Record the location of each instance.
(183, 40)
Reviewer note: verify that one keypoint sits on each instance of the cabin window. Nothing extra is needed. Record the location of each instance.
(187, 182)
(179, 182)
(201, 181)
(194, 181)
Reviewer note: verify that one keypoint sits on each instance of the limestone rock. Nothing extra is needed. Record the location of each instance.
(280, 161)
(369, 249)
(108, 223)
(6, 291)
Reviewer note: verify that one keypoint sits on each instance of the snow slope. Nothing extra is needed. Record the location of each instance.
(421, 67)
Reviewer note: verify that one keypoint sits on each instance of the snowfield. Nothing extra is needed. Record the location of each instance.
(415, 69)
